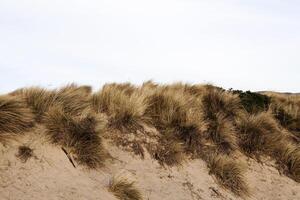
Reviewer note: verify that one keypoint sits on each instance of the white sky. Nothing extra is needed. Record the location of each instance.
(247, 44)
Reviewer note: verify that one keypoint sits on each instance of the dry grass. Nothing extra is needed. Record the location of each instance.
(216, 100)
(220, 111)
(124, 190)
(74, 99)
(176, 114)
(195, 90)
(259, 134)
(179, 132)
(149, 85)
(127, 88)
(289, 158)
(78, 135)
(125, 109)
(24, 153)
(222, 133)
(229, 174)
(15, 117)
(168, 151)
(166, 108)
(38, 99)
(189, 121)
(286, 109)
(290, 103)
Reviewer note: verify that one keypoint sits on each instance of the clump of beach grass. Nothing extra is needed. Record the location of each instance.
(24, 153)
(79, 135)
(15, 117)
(124, 189)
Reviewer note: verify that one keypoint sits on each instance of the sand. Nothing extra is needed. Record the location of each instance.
(50, 175)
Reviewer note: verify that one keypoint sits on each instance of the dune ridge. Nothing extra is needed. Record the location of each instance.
(171, 127)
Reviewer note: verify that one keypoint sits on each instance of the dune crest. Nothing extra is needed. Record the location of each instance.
(177, 141)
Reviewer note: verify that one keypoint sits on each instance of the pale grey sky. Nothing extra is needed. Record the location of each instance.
(247, 44)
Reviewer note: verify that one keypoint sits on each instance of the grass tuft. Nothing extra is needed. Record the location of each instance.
(222, 133)
(124, 190)
(79, 135)
(216, 101)
(168, 152)
(220, 111)
(178, 120)
(15, 117)
(174, 110)
(74, 99)
(259, 133)
(24, 153)
(229, 174)
(286, 109)
(124, 109)
(38, 99)
(289, 159)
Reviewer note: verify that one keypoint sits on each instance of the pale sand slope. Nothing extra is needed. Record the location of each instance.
(50, 175)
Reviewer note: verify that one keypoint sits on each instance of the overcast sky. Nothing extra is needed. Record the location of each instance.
(247, 44)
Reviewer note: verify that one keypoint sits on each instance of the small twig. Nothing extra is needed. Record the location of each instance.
(69, 157)
(216, 192)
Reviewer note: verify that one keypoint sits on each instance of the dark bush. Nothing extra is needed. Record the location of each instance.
(253, 102)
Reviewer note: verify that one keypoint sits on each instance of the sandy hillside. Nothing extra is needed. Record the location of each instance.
(50, 175)
(149, 142)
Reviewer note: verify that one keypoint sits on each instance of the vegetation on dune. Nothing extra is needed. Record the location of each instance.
(194, 90)
(178, 119)
(222, 133)
(38, 99)
(127, 88)
(124, 189)
(253, 102)
(220, 111)
(74, 99)
(229, 174)
(259, 133)
(124, 107)
(216, 101)
(79, 135)
(173, 123)
(287, 111)
(284, 117)
(15, 117)
(169, 151)
(289, 159)
(149, 85)
(24, 153)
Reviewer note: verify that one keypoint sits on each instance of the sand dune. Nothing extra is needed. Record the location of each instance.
(50, 175)
(70, 144)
